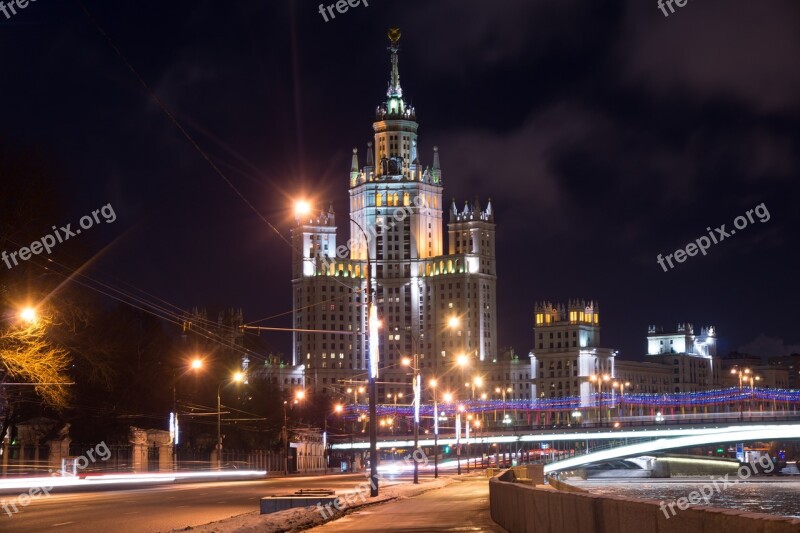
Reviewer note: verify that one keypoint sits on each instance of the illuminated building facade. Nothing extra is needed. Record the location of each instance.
(693, 358)
(396, 218)
(567, 351)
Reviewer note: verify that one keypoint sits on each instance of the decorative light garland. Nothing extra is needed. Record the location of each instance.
(674, 400)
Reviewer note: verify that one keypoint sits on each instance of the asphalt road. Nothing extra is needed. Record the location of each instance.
(157, 508)
(462, 506)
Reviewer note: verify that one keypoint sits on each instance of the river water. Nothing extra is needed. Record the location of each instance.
(775, 496)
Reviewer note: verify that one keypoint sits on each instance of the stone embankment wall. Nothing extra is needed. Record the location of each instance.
(522, 508)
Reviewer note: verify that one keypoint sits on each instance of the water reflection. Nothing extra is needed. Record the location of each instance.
(772, 497)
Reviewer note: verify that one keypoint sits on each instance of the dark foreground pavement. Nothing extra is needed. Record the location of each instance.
(159, 508)
(462, 506)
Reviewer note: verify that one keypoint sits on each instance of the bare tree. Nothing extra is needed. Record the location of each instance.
(28, 356)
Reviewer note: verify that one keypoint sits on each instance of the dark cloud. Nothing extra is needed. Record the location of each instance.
(768, 347)
(604, 133)
(716, 49)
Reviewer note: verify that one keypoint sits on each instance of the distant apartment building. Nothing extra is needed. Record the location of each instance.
(756, 372)
(568, 358)
(692, 358)
(567, 350)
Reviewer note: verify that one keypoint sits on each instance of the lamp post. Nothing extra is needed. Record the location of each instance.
(435, 430)
(195, 366)
(337, 409)
(598, 380)
(459, 409)
(396, 397)
(742, 374)
(621, 386)
(417, 386)
(751, 379)
(299, 395)
(502, 391)
(477, 381)
(466, 429)
(238, 377)
(302, 208)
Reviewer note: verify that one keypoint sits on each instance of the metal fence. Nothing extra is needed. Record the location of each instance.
(29, 460)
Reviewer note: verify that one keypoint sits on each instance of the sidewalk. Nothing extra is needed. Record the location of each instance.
(463, 505)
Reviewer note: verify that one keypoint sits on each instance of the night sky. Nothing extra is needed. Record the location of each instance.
(604, 132)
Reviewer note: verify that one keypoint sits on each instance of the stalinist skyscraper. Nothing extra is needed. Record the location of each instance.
(435, 303)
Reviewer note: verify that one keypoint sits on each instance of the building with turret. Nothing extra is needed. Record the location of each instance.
(435, 302)
(567, 351)
(693, 358)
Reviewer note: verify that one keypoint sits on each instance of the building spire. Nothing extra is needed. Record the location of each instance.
(354, 173)
(394, 84)
(370, 157)
(395, 107)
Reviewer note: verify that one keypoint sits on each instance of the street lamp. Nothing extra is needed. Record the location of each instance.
(337, 409)
(752, 380)
(598, 380)
(433, 384)
(238, 377)
(298, 396)
(477, 381)
(621, 386)
(414, 365)
(302, 208)
(195, 365)
(742, 374)
(29, 315)
(459, 410)
(502, 391)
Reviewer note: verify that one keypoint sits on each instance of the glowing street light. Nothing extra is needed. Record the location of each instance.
(453, 322)
(301, 208)
(174, 427)
(462, 360)
(237, 377)
(598, 380)
(28, 315)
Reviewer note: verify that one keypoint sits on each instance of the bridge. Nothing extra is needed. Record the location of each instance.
(633, 426)
(573, 448)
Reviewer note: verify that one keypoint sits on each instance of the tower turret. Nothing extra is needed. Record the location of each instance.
(354, 168)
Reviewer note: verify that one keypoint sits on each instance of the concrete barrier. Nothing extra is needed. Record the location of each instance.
(526, 509)
(564, 487)
(273, 504)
